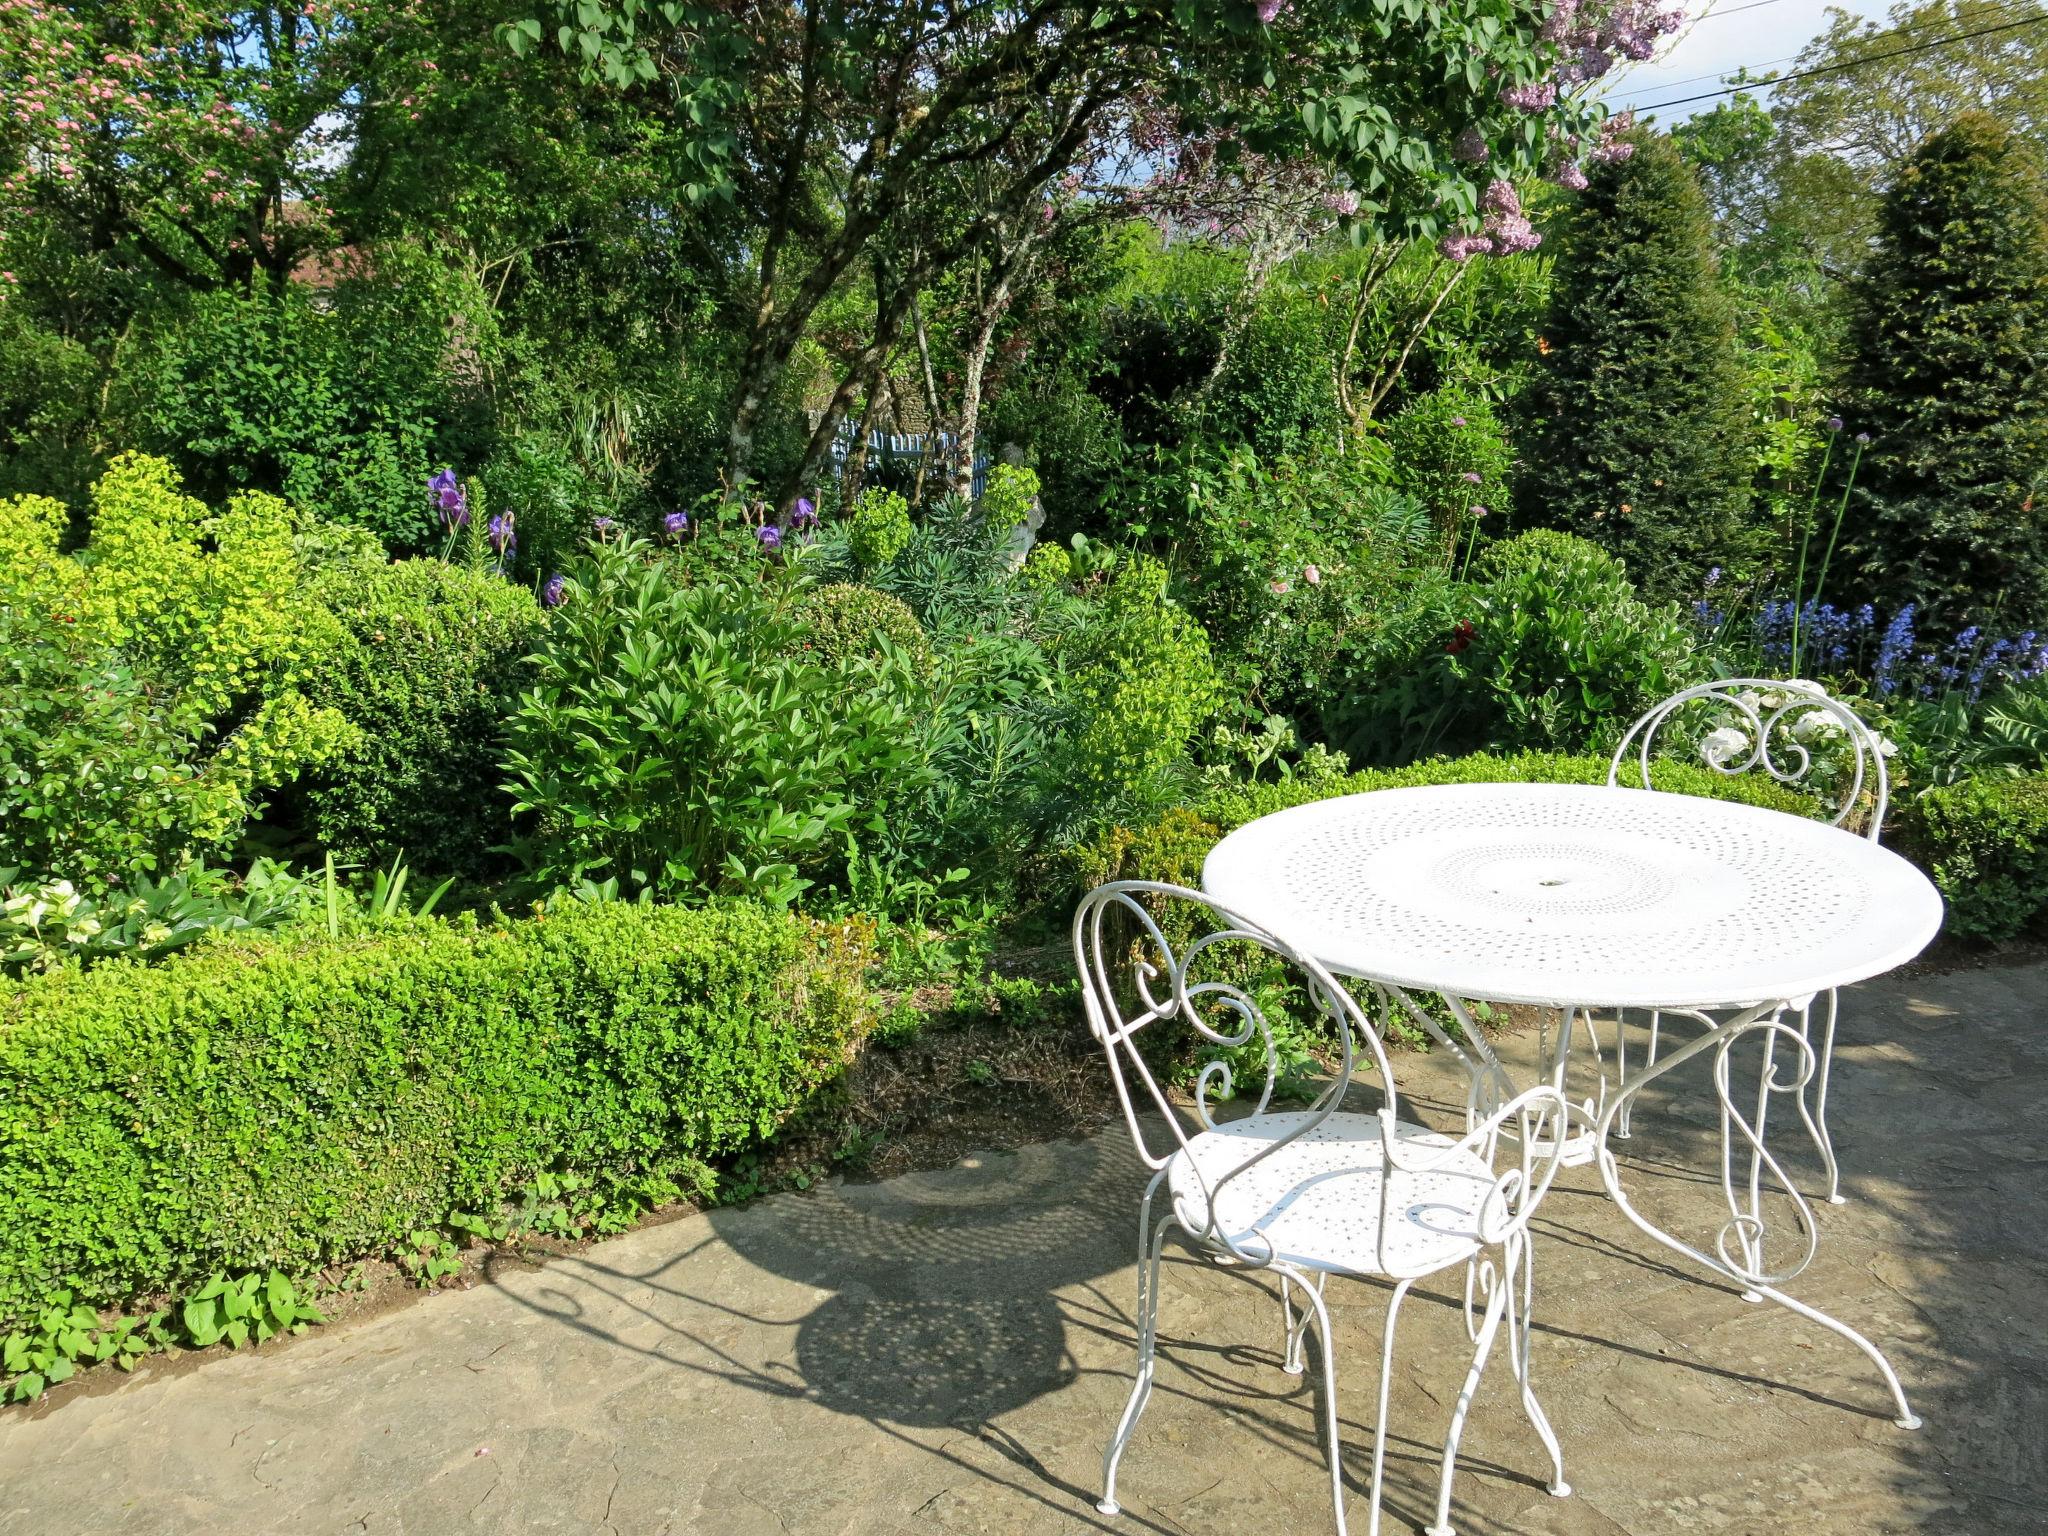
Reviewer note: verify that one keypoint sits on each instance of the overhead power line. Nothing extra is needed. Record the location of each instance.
(1997, 6)
(1847, 64)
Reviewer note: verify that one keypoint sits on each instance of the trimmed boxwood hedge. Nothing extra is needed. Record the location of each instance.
(296, 1100)
(1986, 839)
(1173, 847)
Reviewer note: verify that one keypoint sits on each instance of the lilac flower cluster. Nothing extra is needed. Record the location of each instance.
(1504, 231)
(1539, 97)
(1593, 43)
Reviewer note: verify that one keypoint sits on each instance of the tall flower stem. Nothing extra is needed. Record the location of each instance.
(1805, 539)
(1821, 582)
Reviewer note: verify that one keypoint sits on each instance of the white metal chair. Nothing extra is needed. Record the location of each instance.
(1311, 1192)
(1784, 729)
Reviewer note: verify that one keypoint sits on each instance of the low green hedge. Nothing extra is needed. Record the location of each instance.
(1986, 841)
(293, 1101)
(1173, 847)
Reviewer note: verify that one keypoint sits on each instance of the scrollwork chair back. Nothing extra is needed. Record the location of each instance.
(1777, 727)
(1120, 935)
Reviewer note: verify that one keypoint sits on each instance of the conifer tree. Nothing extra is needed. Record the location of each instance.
(1637, 428)
(1948, 374)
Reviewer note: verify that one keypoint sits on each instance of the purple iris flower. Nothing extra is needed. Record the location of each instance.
(499, 531)
(602, 526)
(676, 524)
(771, 538)
(555, 590)
(442, 483)
(805, 515)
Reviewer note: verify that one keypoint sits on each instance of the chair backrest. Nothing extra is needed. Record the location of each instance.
(1210, 975)
(1785, 728)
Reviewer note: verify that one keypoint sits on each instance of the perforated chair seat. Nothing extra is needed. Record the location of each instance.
(1317, 1200)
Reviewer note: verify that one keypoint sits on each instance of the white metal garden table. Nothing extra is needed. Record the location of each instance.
(1594, 900)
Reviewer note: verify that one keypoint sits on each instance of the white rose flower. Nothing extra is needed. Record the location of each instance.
(1809, 687)
(1722, 744)
(1815, 724)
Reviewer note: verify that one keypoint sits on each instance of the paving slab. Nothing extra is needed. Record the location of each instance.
(946, 1352)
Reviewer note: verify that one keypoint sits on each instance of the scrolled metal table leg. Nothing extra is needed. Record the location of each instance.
(1740, 1244)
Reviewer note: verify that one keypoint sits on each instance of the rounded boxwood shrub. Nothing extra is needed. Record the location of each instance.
(1986, 840)
(293, 1101)
(426, 659)
(843, 620)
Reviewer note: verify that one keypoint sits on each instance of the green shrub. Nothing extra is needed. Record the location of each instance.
(879, 528)
(1449, 454)
(1137, 682)
(1006, 500)
(1173, 847)
(1565, 652)
(342, 402)
(1640, 437)
(844, 620)
(292, 1101)
(1986, 840)
(678, 741)
(49, 383)
(174, 624)
(1948, 331)
(1046, 568)
(427, 662)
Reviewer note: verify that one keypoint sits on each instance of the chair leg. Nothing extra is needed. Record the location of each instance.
(1519, 1326)
(1148, 1337)
(1294, 1328)
(1820, 1096)
(1379, 1427)
(1496, 1305)
(1326, 1345)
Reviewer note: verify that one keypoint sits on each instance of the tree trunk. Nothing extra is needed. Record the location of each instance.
(1383, 384)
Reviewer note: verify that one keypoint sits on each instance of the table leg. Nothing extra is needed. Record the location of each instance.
(1740, 1244)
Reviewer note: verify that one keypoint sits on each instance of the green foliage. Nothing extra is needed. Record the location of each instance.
(426, 661)
(1440, 442)
(58, 1335)
(343, 404)
(1277, 394)
(251, 1308)
(1006, 499)
(48, 382)
(1276, 560)
(1987, 841)
(1046, 568)
(1637, 435)
(173, 624)
(45, 925)
(844, 621)
(280, 1103)
(1137, 681)
(1564, 651)
(678, 740)
(879, 527)
(1948, 336)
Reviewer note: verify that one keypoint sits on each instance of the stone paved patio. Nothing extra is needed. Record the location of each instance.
(946, 1352)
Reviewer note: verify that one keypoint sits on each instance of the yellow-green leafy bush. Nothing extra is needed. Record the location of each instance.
(878, 528)
(293, 1100)
(1006, 499)
(151, 676)
(1138, 680)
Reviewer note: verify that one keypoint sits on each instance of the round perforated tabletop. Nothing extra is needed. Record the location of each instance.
(1571, 894)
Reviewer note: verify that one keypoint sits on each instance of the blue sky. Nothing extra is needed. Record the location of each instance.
(1731, 34)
